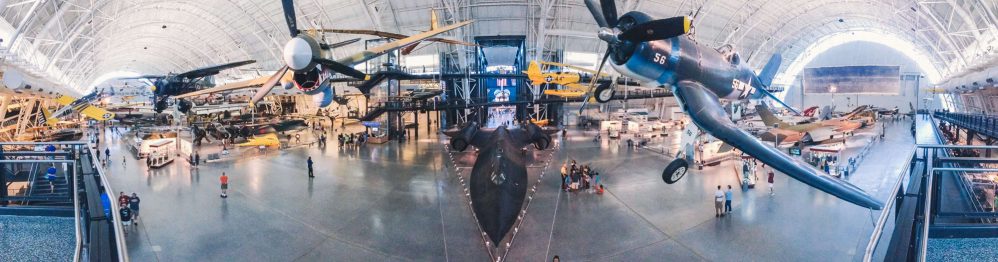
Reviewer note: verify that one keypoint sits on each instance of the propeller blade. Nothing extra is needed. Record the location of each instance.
(341, 68)
(597, 13)
(289, 16)
(269, 85)
(609, 11)
(657, 29)
(592, 83)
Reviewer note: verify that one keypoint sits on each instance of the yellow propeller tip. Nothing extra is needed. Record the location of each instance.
(687, 23)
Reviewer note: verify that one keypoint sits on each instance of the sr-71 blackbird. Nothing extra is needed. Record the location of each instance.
(498, 180)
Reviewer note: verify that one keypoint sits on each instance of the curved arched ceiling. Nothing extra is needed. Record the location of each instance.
(90, 38)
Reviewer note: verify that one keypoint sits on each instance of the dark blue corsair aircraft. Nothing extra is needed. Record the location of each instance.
(659, 53)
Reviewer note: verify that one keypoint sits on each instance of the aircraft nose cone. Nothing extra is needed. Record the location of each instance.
(298, 53)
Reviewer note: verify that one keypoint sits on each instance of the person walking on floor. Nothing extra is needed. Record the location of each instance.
(122, 199)
(225, 184)
(728, 196)
(770, 180)
(133, 204)
(309, 162)
(718, 201)
(126, 218)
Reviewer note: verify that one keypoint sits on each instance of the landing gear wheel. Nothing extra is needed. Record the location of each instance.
(675, 171)
(604, 92)
(542, 143)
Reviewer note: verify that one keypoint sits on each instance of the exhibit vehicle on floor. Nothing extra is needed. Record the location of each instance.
(659, 53)
(161, 153)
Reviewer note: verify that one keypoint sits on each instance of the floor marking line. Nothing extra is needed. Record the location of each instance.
(554, 219)
(440, 207)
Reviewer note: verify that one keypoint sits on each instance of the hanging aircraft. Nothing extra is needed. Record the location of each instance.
(498, 179)
(84, 105)
(407, 49)
(658, 53)
(572, 83)
(310, 71)
(815, 132)
(170, 85)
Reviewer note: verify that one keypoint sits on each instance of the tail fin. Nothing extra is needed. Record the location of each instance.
(534, 73)
(765, 78)
(47, 117)
(826, 112)
(768, 117)
(769, 71)
(433, 20)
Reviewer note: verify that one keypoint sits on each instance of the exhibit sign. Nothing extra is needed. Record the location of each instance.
(879, 80)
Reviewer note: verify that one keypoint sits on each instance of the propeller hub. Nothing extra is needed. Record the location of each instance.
(299, 52)
(610, 35)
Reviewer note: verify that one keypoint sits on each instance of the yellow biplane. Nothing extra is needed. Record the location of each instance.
(573, 84)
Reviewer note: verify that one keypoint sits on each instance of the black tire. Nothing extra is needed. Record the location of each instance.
(604, 93)
(542, 143)
(458, 144)
(675, 171)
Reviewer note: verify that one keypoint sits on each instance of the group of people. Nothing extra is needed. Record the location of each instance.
(128, 210)
(352, 139)
(575, 178)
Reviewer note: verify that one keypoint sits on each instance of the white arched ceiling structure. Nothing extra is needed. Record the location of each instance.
(77, 41)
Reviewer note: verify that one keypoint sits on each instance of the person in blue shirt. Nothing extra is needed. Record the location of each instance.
(133, 204)
(309, 162)
(50, 176)
(728, 196)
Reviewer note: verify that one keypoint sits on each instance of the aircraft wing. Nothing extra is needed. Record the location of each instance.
(96, 113)
(212, 70)
(392, 46)
(395, 36)
(256, 82)
(707, 113)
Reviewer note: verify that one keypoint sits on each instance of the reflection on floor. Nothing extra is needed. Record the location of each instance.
(403, 202)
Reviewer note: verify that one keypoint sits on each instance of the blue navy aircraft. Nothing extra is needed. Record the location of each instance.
(498, 179)
(659, 53)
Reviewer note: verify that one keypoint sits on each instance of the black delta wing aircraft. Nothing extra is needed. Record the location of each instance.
(499, 176)
(658, 53)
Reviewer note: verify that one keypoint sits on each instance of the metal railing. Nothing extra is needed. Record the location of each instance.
(887, 211)
(119, 235)
(76, 200)
(927, 211)
(77, 146)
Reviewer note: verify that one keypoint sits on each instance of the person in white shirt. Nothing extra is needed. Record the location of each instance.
(718, 202)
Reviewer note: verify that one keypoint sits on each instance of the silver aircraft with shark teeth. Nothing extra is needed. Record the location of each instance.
(659, 53)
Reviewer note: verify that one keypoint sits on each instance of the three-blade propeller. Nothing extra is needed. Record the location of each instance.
(301, 53)
(606, 17)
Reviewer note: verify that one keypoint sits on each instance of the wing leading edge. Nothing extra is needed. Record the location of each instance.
(706, 112)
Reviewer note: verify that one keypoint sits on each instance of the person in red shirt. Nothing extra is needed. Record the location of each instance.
(123, 199)
(771, 183)
(225, 185)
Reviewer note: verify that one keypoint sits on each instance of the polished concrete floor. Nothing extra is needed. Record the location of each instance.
(405, 202)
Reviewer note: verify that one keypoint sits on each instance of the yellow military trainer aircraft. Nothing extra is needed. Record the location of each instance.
(572, 83)
(82, 105)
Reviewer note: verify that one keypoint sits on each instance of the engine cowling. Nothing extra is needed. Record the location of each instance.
(309, 82)
(462, 140)
(538, 138)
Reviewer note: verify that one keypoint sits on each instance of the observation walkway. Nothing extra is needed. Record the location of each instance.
(47, 220)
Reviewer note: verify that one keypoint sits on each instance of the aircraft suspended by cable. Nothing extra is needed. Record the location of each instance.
(408, 49)
(657, 53)
(170, 85)
(310, 70)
